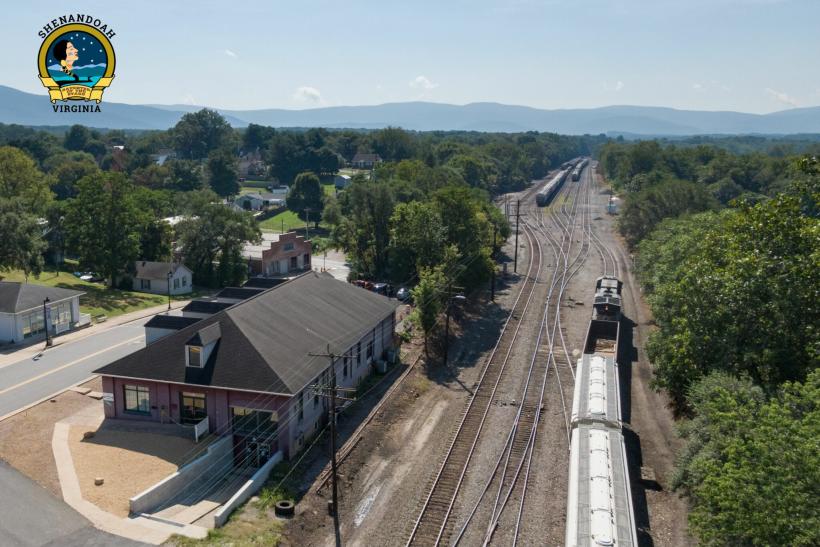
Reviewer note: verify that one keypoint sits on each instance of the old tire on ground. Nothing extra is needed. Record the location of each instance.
(284, 508)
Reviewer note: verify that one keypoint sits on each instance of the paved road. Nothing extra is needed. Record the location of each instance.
(31, 517)
(27, 381)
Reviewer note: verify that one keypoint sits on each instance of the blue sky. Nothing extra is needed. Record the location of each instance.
(745, 55)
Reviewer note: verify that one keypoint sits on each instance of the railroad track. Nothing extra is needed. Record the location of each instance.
(433, 525)
(515, 459)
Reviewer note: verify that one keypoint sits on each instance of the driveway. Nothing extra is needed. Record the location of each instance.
(32, 379)
(33, 517)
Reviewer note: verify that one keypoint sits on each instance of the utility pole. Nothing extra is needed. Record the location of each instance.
(450, 298)
(170, 274)
(307, 222)
(330, 392)
(492, 281)
(517, 218)
(45, 321)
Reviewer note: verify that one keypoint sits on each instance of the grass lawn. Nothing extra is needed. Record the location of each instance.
(291, 222)
(329, 189)
(98, 299)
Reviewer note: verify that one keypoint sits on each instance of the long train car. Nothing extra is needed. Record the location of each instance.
(545, 195)
(599, 503)
(579, 168)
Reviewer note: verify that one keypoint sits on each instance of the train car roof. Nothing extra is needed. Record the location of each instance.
(600, 510)
(597, 393)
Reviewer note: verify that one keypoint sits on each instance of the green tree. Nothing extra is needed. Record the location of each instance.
(185, 175)
(417, 239)
(103, 224)
(744, 301)
(22, 244)
(643, 210)
(197, 134)
(223, 172)
(428, 297)
(77, 138)
(752, 467)
(67, 169)
(212, 244)
(306, 193)
(332, 212)
(20, 178)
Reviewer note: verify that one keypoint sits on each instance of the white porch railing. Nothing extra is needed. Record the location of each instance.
(201, 429)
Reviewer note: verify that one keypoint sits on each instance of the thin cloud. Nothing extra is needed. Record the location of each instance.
(697, 87)
(230, 53)
(307, 95)
(780, 96)
(422, 82)
(619, 86)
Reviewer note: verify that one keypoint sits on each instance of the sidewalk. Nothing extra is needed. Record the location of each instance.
(13, 354)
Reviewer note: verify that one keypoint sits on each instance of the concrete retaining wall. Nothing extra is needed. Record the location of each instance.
(216, 461)
(248, 489)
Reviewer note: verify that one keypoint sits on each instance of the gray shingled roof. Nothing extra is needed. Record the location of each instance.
(16, 297)
(155, 270)
(175, 322)
(265, 341)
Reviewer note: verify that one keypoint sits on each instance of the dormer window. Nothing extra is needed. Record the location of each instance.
(194, 356)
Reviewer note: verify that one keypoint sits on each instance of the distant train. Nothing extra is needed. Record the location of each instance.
(579, 168)
(599, 501)
(545, 195)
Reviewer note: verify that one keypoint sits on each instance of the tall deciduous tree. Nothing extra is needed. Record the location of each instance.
(21, 244)
(417, 240)
(199, 133)
(212, 244)
(306, 193)
(223, 172)
(428, 297)
(20, 178)
(103, 224)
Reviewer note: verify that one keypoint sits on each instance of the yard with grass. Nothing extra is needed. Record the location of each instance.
(98, 299)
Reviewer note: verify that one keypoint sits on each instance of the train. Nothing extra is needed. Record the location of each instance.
(545, 195)
(599, 502)
(579, 168)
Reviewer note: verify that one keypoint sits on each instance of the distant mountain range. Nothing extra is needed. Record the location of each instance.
(34, 110)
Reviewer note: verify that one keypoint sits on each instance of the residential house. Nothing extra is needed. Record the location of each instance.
(251, 369)
(154, 277)
(365, 161)
(278, 254)
(25, 307)
(257, 201)
(341, 181)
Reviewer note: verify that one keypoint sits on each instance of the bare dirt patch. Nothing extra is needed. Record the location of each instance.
(128, 461)
(25, 439)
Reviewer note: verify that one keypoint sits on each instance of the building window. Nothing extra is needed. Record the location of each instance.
(369, 351)
(344, 369)
(294, 263)
(194, 356)
(288, 246)
(137, 400)
(193, 407)
(184, 280)
(306, 260)
(145, 284)
(32, 323)
(261, 423)
(176, 283)
(316, 391)
(358, 353)
(301, 405)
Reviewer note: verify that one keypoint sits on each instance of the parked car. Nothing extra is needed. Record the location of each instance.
(403, 294)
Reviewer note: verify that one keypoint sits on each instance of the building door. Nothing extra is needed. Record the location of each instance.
(193, 408)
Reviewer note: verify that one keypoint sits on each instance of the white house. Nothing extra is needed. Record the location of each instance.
(256, 201)
(154, 277)
(22, 307)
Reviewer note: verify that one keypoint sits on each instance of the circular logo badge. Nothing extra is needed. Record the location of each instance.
(76, 62)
